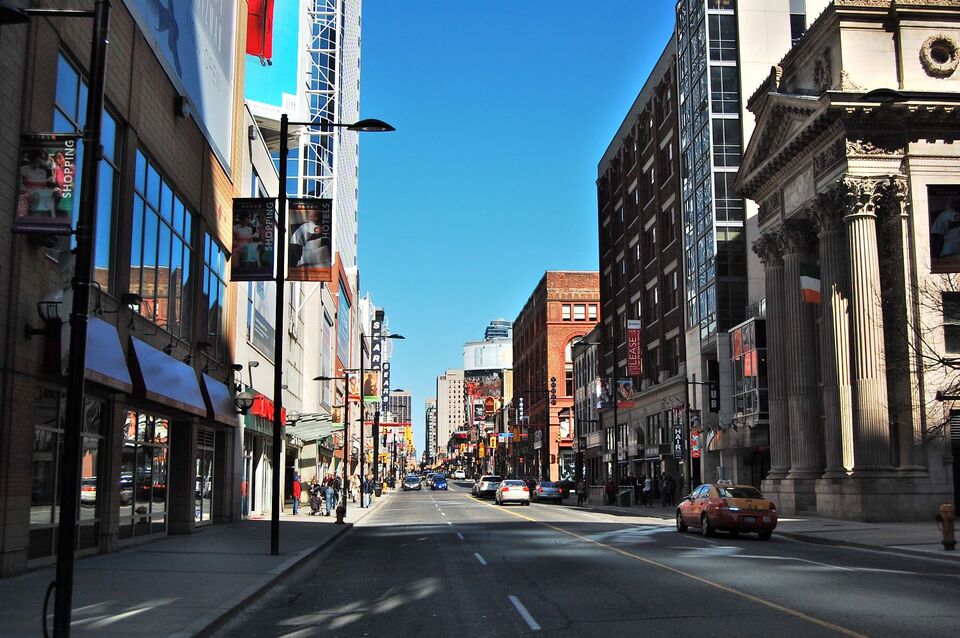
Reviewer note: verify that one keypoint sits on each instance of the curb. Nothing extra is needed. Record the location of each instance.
(216, 618)
(887, 549)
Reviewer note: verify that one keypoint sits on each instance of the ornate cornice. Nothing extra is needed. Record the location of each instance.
(879, 146)
(769, 248)
(873, 195)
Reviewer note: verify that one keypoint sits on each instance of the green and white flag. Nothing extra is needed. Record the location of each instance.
(809, 283)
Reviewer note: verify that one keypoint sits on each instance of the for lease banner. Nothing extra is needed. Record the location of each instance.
(634, 348)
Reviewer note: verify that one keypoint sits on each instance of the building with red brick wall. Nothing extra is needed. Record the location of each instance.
(563, 307)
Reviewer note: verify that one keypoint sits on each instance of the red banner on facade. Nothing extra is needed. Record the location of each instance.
(260, 28)
(634, 348)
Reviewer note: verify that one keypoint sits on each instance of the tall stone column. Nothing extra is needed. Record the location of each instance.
(898, 279)
(827, 214)
(871, 427)
(806, 447)
(769, 248)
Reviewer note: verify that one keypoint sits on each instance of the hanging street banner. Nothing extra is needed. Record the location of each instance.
(678, 440)
(47, 184)
(311, 240)
(353, 387)
(376, 340)
(371, 386)
(634, 348)
(254, 233)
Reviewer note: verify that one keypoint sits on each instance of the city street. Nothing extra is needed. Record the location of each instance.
(444, 564)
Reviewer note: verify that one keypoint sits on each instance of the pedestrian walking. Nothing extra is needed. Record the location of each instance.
(671, 491)
(297, 491)
(610, 489)
(581, 492)
(648, 490)
(367, 488)
(328, 494)
(663, 489)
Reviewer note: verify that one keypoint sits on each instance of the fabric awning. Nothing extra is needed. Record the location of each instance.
(105, 363)
(220, 404)
(161, 378)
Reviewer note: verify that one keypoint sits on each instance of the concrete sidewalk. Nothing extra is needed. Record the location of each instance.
(919, 538)
(176, 586)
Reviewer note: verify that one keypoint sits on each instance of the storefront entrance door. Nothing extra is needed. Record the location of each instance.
(203, 491)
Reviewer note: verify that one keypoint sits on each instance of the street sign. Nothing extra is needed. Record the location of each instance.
(678, 441)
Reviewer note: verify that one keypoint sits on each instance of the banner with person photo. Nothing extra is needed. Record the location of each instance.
(254, 231)
(371, 386)
(310, 244)
(46, 183)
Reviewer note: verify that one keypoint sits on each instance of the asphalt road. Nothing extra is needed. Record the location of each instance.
(445, 564)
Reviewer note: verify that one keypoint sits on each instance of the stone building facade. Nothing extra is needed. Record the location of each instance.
(853, 163)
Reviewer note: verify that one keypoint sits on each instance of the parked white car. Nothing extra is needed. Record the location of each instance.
(512, 491)
(459, 475)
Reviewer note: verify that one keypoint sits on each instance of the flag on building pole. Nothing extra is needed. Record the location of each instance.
(809, 283)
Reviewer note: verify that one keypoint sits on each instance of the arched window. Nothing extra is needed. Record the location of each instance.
(568, 366)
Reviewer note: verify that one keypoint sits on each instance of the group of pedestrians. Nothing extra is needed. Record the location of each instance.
(646, 490)
(325, 495)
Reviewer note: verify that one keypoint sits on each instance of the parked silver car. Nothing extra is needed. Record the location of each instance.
(486, 485)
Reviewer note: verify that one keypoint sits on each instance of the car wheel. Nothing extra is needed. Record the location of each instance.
(765, 535)
(681, 526)
(705, 527)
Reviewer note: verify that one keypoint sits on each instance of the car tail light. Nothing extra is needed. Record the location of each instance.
(722, 504)
(526, 489)
(88, 488)
(540, 489)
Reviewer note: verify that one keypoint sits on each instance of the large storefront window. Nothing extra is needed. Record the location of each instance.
(144, 471)
(215, 292)
(48, 410)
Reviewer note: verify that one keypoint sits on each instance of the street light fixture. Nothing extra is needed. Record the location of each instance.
(83, 255)
(370, 126)
(614, 391)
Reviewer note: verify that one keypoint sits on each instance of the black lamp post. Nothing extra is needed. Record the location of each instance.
(369, 125)
(342, 509)
(612, 345)
(74, 415)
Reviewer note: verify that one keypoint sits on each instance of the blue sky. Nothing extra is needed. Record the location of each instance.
(503, 110)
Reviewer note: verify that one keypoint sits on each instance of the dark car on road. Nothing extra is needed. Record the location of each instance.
(439, 483)
(547, 491)
(411, 482)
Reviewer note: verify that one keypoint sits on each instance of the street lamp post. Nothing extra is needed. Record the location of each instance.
(612, 345)
(376, 418)
(342, 508)
(86, 220)
(550, 400)
(369, 125)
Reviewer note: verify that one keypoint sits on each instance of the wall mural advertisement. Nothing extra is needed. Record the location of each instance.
(482, 393)
(943, 205)
(194, 41)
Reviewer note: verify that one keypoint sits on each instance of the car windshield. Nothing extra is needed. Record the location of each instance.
(548, 485)
(491, 479)
(413, 478)
(739, 492)
(515, 483)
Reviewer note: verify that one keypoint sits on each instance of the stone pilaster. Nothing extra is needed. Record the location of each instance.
(898, 279)
(871, 428)
(806, 447)
(769, 248)
(827, 214)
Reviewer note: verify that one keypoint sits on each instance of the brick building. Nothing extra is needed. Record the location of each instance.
(642, 279)
(563, 308)
(160, 443)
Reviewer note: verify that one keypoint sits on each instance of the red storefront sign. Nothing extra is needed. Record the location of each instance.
(262, 406)
(634, 349)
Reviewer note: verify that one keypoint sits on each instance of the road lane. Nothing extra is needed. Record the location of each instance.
(444, 563)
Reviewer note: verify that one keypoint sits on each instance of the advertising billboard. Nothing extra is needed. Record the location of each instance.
(634, 348)
(311, 239)
(195, 41)
(254, 231)
(482, 393)
(47, 181)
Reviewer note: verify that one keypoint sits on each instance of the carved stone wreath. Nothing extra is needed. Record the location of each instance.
(939, 56)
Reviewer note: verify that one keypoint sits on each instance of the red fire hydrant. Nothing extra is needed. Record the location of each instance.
(946, 519)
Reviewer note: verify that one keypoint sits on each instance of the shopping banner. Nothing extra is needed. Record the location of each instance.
(254, 232)
(371, 386)
(311, 239)
(634, 348)
(47, 183)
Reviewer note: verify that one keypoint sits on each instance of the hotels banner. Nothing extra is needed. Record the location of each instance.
(310, 239)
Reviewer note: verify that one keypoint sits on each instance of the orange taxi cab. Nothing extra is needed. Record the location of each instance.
(728, 507)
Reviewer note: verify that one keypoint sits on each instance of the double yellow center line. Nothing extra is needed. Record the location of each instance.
(724, 588)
